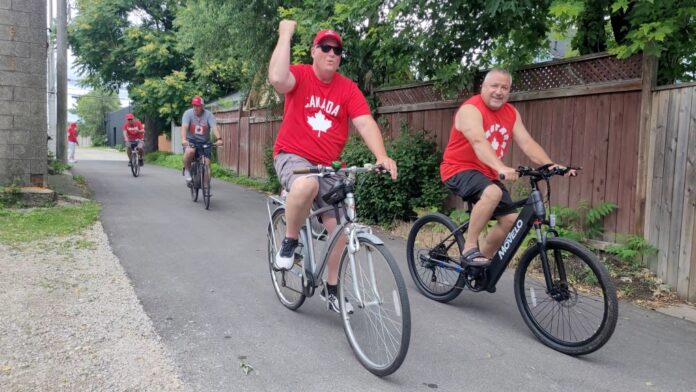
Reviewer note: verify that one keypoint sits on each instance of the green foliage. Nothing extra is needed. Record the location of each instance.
(55, 166)
(583, 223)
(174, 161)
(631, 249)
(40, 223)
(92, 109)
(273, 182)
(459, 216)
(381, 200)
(10, 196)
(664, 29)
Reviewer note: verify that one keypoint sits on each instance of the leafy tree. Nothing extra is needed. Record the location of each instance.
(131, 43)
(92, 109)
(665, 29)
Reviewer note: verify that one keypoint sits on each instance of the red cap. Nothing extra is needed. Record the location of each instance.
(197, 101)
(129, 116)
(325, 34)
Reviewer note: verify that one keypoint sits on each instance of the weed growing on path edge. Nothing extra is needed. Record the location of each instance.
(40, 223)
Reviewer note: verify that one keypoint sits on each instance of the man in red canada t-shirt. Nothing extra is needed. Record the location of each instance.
(483, 129)
(134, 136)
(318, 104)
(72, 142)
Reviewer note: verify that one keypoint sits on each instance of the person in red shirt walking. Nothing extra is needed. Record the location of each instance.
(483, 129)
(72, 142)
(318, 104)
(134, 137)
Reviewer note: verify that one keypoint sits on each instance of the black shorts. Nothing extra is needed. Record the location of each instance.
(469, 185)
(206, 152)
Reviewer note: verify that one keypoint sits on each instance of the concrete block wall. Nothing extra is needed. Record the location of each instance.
(23, 44)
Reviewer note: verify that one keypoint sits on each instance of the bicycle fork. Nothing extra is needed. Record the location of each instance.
(353, 247)
(551, 288)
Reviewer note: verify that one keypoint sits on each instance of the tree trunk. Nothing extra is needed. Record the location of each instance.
(152, 131)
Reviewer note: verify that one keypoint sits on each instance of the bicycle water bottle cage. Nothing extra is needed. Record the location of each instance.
(336, 194)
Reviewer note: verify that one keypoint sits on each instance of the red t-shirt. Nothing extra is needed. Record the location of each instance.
(459, 154)
(315, 122)
(72, 133)
(135, 131)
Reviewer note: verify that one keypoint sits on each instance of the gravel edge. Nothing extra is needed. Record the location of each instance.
(70, 320)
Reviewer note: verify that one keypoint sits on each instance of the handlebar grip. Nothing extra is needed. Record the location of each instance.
(302, 170)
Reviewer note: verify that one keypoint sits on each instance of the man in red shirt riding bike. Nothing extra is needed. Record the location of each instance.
(318, 104)
(134, 135)
(484, 127)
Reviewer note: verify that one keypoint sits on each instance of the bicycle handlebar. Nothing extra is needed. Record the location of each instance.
(542, 172)
(323, 169)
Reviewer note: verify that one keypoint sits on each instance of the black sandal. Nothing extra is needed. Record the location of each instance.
(473, 258)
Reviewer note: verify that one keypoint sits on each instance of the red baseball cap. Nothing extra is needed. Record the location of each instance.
(129, 116)
(197, 101)
(325, 34)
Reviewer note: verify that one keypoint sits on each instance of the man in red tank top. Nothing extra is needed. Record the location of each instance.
(318, 104)
(483, 129)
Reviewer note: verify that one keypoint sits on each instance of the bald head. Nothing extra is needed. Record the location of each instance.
(495, 90)
(497, 71)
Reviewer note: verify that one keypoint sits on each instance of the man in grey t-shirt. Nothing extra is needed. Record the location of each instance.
(196, 126)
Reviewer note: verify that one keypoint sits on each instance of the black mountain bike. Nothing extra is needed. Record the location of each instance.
(134, 166)
(200, 175)
(565, 295)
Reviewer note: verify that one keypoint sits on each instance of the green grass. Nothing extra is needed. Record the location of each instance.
(41, 223)
(174, 161)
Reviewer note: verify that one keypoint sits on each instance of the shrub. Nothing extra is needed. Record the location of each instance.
(55, 166)
(273, 185)
(381, 200)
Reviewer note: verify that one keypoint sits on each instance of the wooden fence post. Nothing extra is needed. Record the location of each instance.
(649, 76)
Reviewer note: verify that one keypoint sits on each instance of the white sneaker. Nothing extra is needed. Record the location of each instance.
(285, 257)
(187, 176)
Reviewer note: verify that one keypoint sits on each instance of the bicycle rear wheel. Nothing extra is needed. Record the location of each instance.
(578, 315)
(432, 246)
(287, 284)
(205, 185)
(135, 168)
(194, 187)
(379, 329)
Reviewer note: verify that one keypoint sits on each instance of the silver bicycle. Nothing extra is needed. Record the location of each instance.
(379, 328)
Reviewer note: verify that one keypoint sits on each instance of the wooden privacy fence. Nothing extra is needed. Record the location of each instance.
(671, 187)
(583, 111)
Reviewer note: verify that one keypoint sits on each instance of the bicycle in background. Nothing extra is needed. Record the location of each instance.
(379, 327)
(563, 292)
(134, 161)
(200, 175)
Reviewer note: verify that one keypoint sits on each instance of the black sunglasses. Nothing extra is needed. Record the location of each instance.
(336, 49)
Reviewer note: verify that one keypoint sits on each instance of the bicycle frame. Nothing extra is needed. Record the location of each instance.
(533, 215)
(311, 272)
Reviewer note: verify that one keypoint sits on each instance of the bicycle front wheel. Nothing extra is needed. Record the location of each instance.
(205, 185)
(193, 186)
(379, 329)
(433, 247)
(287, 284)
(578, 314)
(135, 168)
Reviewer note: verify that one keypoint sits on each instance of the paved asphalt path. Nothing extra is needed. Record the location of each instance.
(202, 278)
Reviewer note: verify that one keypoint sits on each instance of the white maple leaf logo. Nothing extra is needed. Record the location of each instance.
(319, 123)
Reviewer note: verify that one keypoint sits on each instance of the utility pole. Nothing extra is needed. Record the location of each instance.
(62, 80)
(51, 82)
